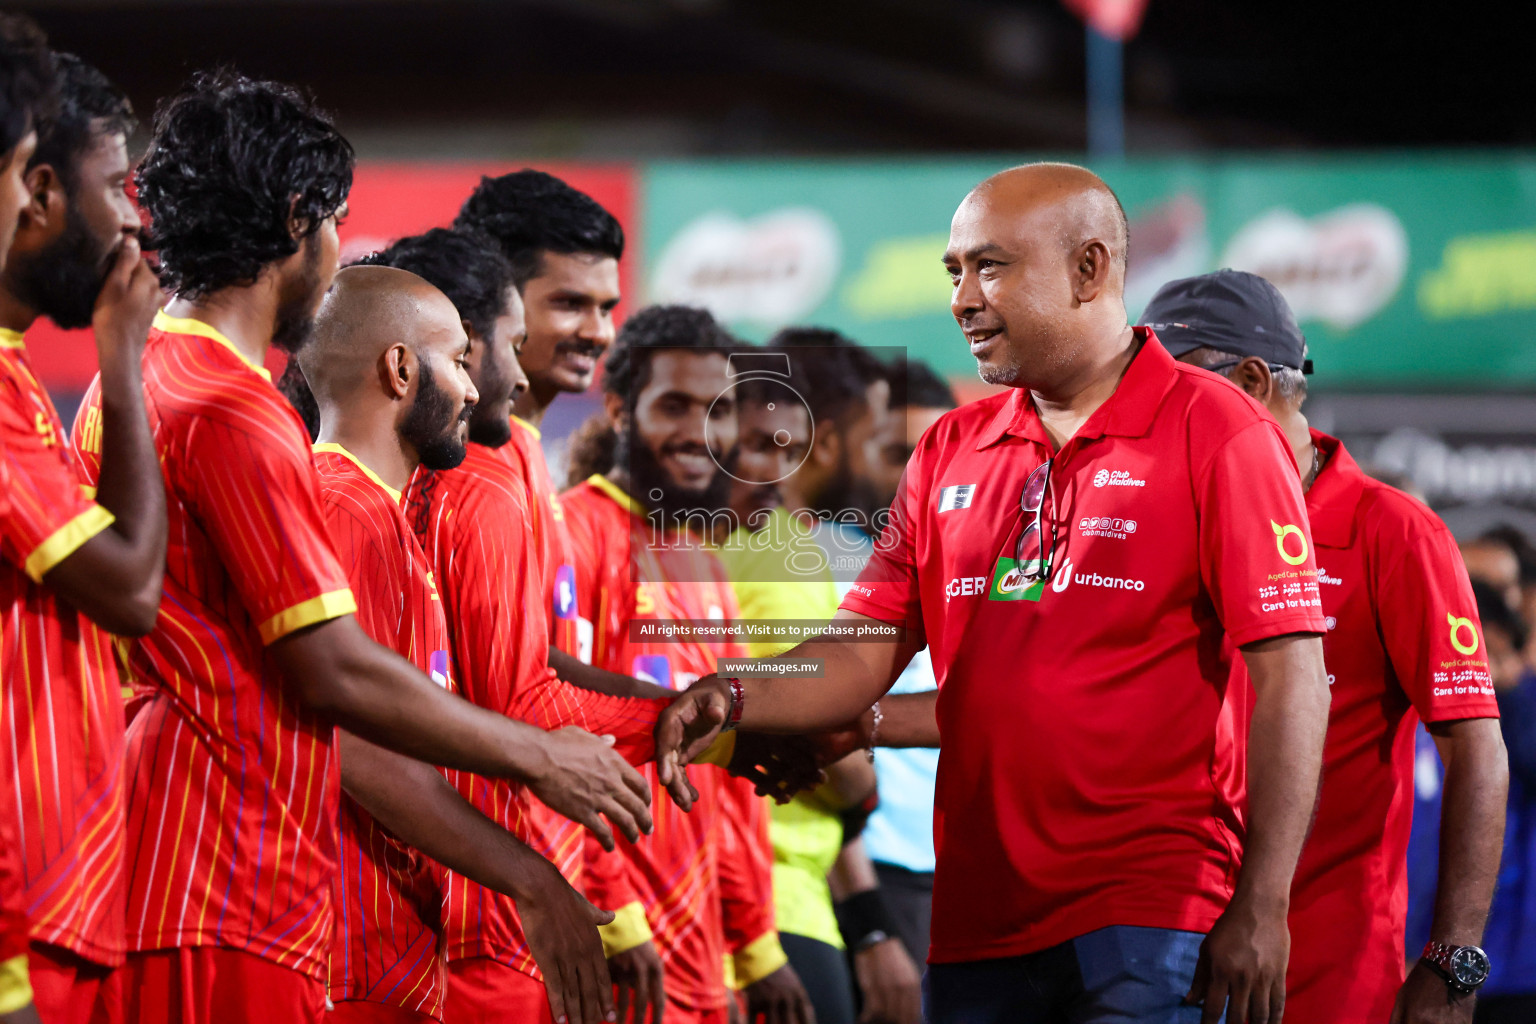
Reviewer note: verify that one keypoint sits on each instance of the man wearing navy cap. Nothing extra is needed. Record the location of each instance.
(1403, 637)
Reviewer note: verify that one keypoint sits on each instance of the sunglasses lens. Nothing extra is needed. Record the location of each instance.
(1028, 547)
(1034, 488)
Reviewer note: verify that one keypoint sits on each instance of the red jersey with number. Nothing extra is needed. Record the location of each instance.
(64, 707)
(675, 874)
(389, 896)
(552, 539)
(1403, 637)
(1089, 776)
(473, 522)
(232, 784)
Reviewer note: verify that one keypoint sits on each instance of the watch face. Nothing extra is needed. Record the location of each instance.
(1469, 966)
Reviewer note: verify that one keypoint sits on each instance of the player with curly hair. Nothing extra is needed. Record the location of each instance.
(257, 655)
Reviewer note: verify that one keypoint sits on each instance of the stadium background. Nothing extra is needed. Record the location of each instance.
(791, 162)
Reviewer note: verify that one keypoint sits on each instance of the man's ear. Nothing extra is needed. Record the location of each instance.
(298, 227)
(1091, 269)
(613, 407)
(827, 449)
(397, 370)
(1253, 376)
(45, 209)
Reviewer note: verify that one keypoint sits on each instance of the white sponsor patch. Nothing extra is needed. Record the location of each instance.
(956, 496)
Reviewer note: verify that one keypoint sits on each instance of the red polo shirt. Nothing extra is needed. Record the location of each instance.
(1085, 779)
(1403, 635)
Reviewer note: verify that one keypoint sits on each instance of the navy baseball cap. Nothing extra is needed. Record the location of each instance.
(1231, 311)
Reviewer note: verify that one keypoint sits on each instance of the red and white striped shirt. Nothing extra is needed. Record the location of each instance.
(63, 717)
(389, 896)
(473, 522)
(232, 786)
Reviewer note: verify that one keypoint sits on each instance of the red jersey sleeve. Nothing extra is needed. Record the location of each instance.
(887, 589)
(608, 887)
(259, 504)
(1255, 543)
(49, 516)
(1429, 623)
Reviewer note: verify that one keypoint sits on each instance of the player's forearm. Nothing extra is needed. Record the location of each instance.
(847, 687)
(417, 804)
(1285, 753)
(381, 697)
(588, 677)
(115, 577)
(909, 720)
(1471, 827)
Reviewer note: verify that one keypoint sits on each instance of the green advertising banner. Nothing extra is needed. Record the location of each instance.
(1406, 272)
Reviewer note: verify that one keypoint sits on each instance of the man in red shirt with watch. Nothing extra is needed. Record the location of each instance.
(1076, 551)
(1403, 643)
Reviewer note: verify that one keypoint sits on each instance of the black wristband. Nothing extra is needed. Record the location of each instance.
(861, 915)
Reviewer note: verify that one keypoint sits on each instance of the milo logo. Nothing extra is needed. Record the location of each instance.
(1009, 582)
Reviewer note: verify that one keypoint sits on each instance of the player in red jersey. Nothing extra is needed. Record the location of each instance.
(386, 362)
(678, 891)
(565, 251)
(24, 79)
(76, 567)
(1403, 643)
(1095, 812)
(232, 842)
(474, 522)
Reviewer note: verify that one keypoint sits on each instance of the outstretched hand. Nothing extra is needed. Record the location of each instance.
(687, 728)
(586, 780)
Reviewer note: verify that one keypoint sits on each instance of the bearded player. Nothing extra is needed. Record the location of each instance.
(256, 646)
(387, 363)
(475, 525)
(25, 76)
(701, 887)
(1404, 641)
(76, 568)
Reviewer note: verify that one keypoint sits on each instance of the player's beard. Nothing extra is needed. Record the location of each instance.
(648, 478)
(489, 425)
(298, 302)
(432, 425)
(63, 281)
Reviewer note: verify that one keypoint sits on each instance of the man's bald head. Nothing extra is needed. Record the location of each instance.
(1037, 257)
(1083, 206)
(366, 311)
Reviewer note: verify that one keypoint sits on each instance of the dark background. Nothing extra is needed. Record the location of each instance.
(647, 78)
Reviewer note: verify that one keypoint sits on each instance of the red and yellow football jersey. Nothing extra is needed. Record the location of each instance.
(233, 786)
(697, 908)
(389, 896)
(473, 523)
(552, 539)
(63, 708)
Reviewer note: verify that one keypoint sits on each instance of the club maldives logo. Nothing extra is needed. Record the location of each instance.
(1284, 533)
(1010, 584)
(437, 668)
(1116, 478)
(653, 668)
(1468, 646)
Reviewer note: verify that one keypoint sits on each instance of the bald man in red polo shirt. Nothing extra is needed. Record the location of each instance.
(1110, 846)
(1404, 644)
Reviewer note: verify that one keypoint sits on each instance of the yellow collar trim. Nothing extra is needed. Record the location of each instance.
(528, 427)
(616, 492)
(186, 325)
(11, 339)
(336, 449)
